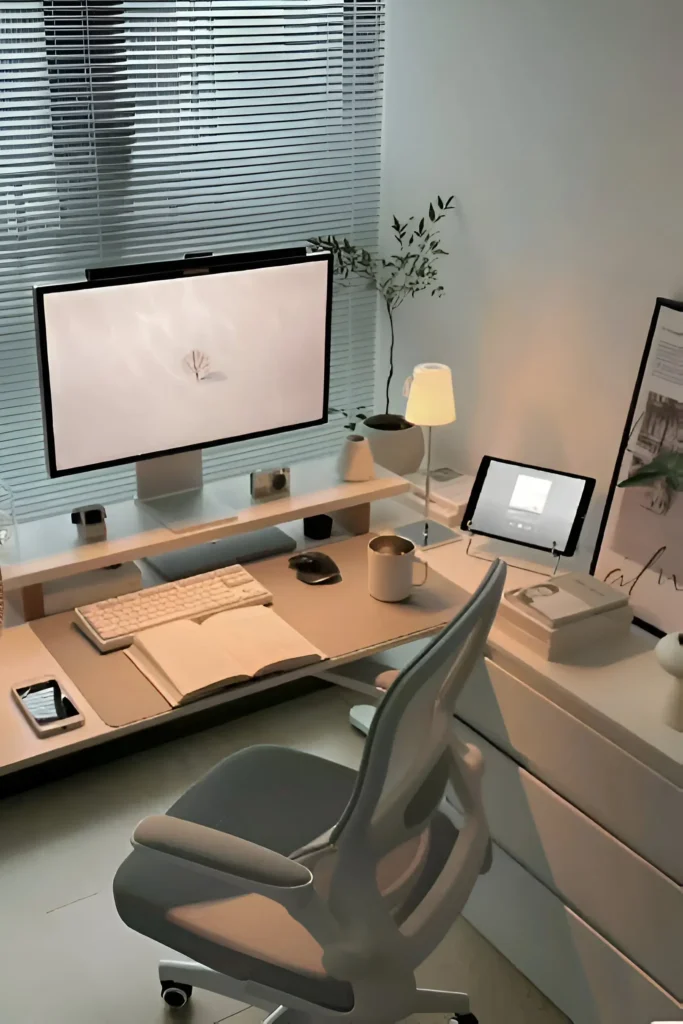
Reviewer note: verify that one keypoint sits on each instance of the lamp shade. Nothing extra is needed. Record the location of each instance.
(431, 402)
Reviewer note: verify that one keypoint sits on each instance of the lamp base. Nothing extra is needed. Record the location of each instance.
(437, 535)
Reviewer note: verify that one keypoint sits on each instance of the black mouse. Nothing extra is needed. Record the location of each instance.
(315, 568)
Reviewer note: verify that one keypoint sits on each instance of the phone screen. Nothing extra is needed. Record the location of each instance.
(46, 703)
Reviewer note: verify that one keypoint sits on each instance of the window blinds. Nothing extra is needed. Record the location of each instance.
(133, 130)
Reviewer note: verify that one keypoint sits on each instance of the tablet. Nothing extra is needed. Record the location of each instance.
(538, 508)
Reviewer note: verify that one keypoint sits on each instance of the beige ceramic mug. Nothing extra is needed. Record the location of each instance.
(391, 568)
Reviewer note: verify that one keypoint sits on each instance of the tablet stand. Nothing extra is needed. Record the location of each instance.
(502, 554)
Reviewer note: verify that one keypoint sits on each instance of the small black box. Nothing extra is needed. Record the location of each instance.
(318, 527)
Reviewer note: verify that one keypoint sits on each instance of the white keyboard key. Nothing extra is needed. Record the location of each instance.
(111, 624)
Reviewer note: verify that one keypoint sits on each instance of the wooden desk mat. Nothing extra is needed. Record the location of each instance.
(339, 620)
(110, 683)
(343, 618)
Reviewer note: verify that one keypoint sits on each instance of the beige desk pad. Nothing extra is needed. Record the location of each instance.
(339, 620)
(110, 683)
(343, 618)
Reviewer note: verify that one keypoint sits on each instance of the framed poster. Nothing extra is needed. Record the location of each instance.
(640, 545)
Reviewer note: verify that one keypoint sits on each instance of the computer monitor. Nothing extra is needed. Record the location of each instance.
(172, 358)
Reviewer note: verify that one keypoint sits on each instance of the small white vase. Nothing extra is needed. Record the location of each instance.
(356, 464)
(669, 653)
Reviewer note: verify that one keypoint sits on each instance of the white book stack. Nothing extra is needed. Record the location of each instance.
(560, 617)
(450, 493)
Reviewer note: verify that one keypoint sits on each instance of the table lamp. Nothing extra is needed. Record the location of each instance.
(431, 403)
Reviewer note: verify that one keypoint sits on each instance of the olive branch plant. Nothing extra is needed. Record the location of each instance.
(409, 270)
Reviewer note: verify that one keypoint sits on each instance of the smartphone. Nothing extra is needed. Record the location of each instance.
(47, 707)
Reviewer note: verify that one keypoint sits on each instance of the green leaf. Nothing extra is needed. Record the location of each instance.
(666, 466)
(440, 202)
(432, 213)
(422, 226)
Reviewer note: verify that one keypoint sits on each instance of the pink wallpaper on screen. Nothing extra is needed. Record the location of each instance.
(120, 381)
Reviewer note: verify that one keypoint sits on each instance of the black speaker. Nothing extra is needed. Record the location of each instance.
(318, 527)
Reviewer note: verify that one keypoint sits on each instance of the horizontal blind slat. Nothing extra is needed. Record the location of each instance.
(146, 130)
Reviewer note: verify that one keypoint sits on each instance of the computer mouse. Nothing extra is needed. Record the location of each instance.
(315, 568)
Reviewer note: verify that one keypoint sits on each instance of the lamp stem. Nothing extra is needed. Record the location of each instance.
(428, 485)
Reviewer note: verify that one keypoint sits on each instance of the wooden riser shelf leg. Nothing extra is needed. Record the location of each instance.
(355, 520)
(33, 602)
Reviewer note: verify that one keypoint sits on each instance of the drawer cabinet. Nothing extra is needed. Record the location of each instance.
(628, 901)
(582, 973)
(627, 798)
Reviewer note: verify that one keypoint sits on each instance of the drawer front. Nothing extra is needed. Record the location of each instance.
(632, 904)
(581, 973)
(631, 801)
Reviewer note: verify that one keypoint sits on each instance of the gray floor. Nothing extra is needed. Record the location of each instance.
(65, 956)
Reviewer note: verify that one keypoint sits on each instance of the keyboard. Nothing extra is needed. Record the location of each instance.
(112, 624)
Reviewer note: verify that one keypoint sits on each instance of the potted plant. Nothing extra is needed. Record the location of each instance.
(354, 417)
(409, 270)
(664, 478)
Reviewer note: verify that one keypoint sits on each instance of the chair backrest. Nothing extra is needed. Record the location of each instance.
(411, 758)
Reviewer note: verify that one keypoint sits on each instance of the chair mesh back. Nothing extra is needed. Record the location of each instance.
(411, 754)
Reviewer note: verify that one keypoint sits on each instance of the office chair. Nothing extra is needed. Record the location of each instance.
(292, 880)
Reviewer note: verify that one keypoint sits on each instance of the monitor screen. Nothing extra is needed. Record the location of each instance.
(535, 507)
(149, 367)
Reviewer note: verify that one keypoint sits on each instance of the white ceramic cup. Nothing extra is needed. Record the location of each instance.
(391, 568)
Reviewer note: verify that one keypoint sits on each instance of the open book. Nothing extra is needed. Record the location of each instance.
(186, 660)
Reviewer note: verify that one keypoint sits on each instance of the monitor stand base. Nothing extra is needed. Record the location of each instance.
(171, 490)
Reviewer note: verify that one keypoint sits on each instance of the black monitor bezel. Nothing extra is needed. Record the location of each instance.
(168, 271)
(577, 526)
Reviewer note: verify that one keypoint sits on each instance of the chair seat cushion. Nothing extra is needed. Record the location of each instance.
(257, 926)
(273, 796)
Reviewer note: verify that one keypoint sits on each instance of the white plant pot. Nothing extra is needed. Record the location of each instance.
(401, 451)
(669, 653)
(356, 463)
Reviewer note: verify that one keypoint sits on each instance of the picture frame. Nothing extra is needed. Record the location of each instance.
(640, 543)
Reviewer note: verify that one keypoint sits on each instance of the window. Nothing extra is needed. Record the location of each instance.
(132, 130)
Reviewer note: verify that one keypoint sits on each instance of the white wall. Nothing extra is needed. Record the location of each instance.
(559, 125)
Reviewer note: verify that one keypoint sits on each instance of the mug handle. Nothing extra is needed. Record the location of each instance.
(426, 569)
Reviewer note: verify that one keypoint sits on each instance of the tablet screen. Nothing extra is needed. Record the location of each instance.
(536, 507)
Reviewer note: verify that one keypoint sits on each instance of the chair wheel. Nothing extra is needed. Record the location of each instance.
(175, 994)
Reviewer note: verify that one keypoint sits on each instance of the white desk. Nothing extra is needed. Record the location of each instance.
(583, 793)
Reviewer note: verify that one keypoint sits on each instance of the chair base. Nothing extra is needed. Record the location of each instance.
(186, 972)
(431, 1000)
(189, 975)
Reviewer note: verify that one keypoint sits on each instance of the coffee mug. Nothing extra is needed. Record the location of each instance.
(391, 568)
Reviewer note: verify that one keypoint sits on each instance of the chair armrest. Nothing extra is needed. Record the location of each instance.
(219, 851)
(385, 680)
